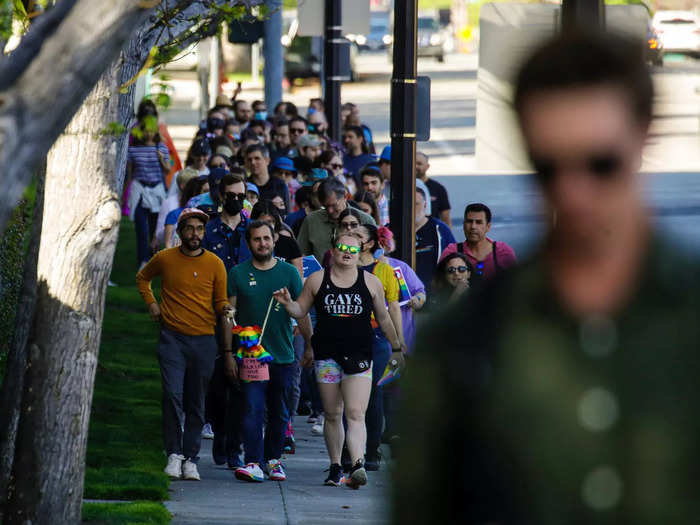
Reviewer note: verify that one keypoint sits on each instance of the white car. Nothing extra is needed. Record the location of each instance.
(679, 31)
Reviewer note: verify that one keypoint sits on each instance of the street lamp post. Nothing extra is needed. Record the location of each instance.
(331, 66)
(403, 130)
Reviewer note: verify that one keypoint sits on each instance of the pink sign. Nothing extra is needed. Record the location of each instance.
(253, 370)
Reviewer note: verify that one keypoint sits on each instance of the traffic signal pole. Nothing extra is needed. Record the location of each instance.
(403, 130)
(331, 66)
(582, 14)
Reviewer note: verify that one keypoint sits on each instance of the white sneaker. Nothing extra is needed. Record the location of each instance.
(275, 471)
(207, 432)
(317, 429)
(189, 471)
(174, 467)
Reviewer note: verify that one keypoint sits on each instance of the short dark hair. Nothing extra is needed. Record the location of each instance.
(330, 186)
(576, 59)
(228, 179)
(266, 207)
(298, 118)
(257, 123)
(373, 170)
(256, 147)
(422, 193)
(302, 195)
(478, 207)
(254, 225)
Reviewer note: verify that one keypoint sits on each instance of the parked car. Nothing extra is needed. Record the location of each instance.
(431, 40)
(379, 36)
(679, 31)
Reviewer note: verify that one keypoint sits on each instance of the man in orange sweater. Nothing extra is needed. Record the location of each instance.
(193, 292)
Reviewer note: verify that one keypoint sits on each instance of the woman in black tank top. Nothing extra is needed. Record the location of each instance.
(345, 297)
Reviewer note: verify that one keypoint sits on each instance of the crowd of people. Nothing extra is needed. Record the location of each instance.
(272, 224)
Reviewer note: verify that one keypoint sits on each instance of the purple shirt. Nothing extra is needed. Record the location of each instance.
(415, 286)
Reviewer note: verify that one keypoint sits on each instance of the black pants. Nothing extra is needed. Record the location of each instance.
(225, 409)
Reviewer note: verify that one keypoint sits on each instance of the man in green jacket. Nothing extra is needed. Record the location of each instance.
(565, 391)
(316, 234)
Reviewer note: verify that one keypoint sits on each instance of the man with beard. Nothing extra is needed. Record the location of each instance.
(193, 292)
(251, 285)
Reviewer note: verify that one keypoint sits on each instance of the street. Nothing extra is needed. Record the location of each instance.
(671, 162)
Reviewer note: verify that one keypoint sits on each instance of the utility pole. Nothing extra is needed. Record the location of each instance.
(272, 52)
(332, 75)
(582, 14)
(403, 130)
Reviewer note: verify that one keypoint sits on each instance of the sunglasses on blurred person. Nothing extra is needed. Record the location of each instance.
(455, 269)
(603, 166)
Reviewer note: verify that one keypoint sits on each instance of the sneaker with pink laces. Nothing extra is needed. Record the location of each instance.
(275, 471)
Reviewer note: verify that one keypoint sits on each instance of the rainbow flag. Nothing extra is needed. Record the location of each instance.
(404, 292)
(389, 375)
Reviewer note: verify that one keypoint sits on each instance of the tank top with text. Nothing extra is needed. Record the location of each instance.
(343, 319)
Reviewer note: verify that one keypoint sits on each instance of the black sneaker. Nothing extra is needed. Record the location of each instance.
(218, 449)
(372, 461)
(358, 475)
(335, 477)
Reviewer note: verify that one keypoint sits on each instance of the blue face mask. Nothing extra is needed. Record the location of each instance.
(261, 115)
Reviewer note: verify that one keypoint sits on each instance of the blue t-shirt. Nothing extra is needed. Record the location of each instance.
(171, 218)
(353, 165)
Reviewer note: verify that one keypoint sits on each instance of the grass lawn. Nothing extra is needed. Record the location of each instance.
(125, 457)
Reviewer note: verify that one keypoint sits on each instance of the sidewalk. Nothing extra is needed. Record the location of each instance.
(303, 499)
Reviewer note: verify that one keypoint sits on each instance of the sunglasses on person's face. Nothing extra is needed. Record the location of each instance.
(297, 131)
(460, 269)
(349, 225)
(352, 250)
(238, 196)
(602, 166)
(337, 166)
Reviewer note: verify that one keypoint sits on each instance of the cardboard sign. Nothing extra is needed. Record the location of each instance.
(310, 265)
(404, 292)
(253, 370)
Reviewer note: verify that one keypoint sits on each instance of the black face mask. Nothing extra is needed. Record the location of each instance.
(232, 205)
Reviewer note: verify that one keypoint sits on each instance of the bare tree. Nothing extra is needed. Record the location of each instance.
(80, 225)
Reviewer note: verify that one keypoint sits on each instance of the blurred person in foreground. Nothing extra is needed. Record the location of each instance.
(564, 391)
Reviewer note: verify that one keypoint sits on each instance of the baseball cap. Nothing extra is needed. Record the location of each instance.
(192, 212)
(284, 163)
(201, 148)
(252, 187)
(309, 140)
(315, 175)
(386, 154)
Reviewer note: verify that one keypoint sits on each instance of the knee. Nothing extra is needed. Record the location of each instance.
(332, 418)
(355, 415)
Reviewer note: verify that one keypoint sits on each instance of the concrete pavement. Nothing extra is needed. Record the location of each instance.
(302, 499)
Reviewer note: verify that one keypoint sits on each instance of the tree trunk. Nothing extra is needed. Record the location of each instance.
(80, 228)
(13, 384)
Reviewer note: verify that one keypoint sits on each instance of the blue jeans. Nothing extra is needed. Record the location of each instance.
(374, 417)
(274, 394)
(145, 222)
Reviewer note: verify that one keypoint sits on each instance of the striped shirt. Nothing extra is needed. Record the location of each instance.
(146, 166)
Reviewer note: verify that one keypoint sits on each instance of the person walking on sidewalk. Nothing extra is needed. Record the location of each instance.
(344, 297)
(193, 292)
(250, 287)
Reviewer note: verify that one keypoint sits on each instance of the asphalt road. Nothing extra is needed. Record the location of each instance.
(671, 160)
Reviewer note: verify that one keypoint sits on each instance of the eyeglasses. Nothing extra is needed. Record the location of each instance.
(602, 166)
(189, 229)
(238, 196)
(349, 225)
(297, 131)
(337, 166)
(460, 269)
(349, 249)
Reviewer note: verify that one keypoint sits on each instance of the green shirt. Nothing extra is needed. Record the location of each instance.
(253, 290)
(316, 234)
(544, 418)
